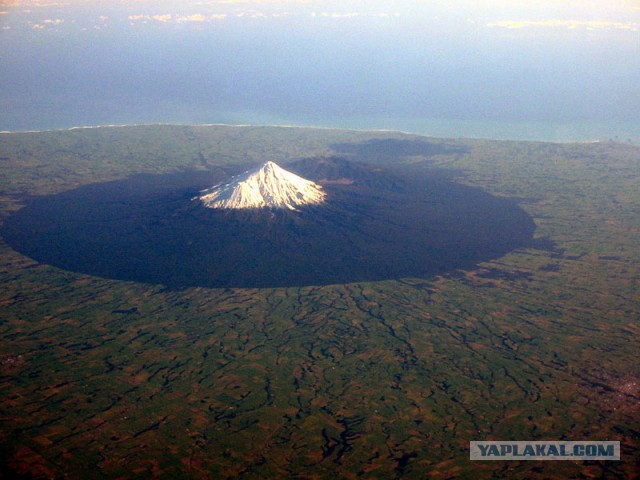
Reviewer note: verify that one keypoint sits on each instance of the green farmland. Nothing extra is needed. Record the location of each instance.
(103, 378)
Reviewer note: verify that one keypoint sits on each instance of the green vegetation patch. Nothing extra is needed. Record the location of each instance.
(108, 379)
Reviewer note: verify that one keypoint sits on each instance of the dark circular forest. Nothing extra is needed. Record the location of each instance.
(376, 224)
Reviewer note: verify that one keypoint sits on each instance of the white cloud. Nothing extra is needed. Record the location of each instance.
(167, 18)
(162, 18)
(200, 18)
(251, 14)
(340, 15)
(32, 4)
(567, 24)
(49, 24)
(145, 18)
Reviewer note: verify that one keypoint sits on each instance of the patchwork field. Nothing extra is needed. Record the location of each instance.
(105, 378)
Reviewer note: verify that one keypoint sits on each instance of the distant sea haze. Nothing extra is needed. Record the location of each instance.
(449, 80)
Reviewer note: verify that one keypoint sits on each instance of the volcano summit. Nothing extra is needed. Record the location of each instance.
(268, 227)
(268, 186)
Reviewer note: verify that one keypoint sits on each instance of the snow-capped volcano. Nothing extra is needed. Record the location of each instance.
(266, 186)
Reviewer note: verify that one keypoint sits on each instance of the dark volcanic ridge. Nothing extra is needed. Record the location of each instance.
(374, 225)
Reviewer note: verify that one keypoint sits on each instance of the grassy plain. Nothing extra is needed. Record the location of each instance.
(110, 379)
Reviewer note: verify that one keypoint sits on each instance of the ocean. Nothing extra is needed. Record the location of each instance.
(447, 79)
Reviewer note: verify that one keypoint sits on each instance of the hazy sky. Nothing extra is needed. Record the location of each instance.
(100, 61)
(512, 14)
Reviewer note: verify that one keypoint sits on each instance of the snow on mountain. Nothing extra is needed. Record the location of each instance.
(267, 186)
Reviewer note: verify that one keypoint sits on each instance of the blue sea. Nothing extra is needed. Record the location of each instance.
(442, 80)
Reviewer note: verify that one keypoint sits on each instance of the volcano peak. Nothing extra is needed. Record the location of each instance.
(267, 186)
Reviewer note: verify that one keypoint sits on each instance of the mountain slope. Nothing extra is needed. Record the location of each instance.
(268, 186)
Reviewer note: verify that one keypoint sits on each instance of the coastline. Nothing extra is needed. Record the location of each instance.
(470, 130)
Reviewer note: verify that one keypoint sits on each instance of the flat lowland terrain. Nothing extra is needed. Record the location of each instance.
(105, 378)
